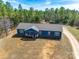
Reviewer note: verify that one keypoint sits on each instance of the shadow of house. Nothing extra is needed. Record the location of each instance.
(24, 38)
(16, 36)
(28, 39)
(48, 38)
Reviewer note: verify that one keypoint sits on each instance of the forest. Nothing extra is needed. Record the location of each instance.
(56, 16)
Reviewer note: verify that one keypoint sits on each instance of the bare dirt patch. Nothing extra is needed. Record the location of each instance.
(15, 48)
(63, 50)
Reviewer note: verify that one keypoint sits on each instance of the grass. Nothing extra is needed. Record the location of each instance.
(74, 31)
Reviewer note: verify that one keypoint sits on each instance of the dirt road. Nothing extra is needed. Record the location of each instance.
(73, 41)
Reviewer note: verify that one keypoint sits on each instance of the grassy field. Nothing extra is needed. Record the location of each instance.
(22, 48)
(74, 31)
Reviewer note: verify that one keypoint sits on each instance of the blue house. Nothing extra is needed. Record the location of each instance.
(34, 30)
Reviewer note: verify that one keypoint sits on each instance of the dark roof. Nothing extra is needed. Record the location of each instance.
(48, 27)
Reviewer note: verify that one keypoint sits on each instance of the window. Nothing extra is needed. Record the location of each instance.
(21, 31)
(48, 33)
(57, 33)
(40, 32)
(26, 34)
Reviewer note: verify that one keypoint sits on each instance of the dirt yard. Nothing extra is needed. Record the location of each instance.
(21, 48)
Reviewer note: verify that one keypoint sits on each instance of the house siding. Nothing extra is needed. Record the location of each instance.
(50, 34)
(20, 33)
(57, 36)
(31, 32)
(42, 33)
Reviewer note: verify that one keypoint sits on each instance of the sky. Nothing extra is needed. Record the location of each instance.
(42, 4)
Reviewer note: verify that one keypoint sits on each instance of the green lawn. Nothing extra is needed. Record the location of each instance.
(74, 31)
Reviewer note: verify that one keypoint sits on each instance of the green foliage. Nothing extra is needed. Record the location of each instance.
(59, 16)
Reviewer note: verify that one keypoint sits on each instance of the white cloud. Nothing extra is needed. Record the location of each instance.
(72, 6)
(5, 0)
(47, 3)
(15, 4)
(43, 6)
(69, 6)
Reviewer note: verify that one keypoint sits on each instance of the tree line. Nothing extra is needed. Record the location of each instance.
(56, 16)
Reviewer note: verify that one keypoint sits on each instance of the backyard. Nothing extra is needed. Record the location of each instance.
(12, 47)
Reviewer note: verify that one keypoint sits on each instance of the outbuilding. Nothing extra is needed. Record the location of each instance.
(34, 30)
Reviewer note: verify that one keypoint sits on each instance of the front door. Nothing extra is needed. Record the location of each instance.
(31, 33)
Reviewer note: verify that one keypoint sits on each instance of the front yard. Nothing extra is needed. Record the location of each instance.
(21, 48)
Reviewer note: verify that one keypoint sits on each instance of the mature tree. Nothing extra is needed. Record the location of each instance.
(46, 15)
(57, 19)
(58, 15)
(9, 9)
(20, 13)
(31, 14)
(1, 4)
